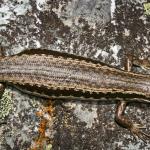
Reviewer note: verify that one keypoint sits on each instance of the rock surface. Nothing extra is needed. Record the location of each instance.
(105, 30)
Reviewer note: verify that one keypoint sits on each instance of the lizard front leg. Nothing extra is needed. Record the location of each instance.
(125, 122)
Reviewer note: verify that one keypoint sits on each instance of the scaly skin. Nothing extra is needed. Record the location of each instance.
(52, 74)
(58, 73)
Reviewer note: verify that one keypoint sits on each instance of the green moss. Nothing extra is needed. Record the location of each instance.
(5, 104)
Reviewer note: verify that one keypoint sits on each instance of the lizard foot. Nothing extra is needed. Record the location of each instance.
(125, 122)
(135, 130)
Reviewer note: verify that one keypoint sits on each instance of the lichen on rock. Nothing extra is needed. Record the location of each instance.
(5, 104)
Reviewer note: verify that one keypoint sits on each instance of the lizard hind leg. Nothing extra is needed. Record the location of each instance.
(125, 122)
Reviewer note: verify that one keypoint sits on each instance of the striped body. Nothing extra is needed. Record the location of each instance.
(54, 76)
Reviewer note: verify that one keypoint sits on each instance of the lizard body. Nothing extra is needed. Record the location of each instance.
(79, 77)
(57, 75)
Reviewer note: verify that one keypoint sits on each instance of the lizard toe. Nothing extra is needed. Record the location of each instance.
(135, 129)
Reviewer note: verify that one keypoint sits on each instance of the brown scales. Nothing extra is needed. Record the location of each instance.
(110, 80)
(58, 75)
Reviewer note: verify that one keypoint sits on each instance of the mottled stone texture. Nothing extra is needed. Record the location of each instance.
(106, 30)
